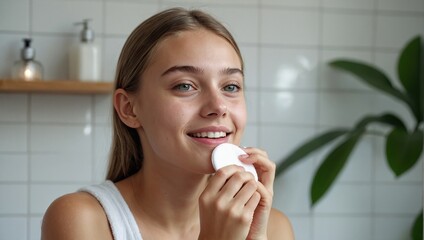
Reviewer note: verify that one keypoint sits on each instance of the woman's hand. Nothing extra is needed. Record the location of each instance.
(228, 203)
(266, 174)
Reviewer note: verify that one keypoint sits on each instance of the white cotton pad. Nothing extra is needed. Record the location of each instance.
(227, 154)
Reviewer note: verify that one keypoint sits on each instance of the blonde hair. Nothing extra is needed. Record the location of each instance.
(126, 155)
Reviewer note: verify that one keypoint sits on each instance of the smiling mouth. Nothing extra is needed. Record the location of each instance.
(213, 135)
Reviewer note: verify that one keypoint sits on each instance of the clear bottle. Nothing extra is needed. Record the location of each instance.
(27, 68)
(85, 57)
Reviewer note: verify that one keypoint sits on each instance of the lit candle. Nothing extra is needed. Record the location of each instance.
(28, 74)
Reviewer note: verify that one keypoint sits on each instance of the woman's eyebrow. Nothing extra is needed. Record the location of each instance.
(197, 70)
(185, 68)
(231, 71)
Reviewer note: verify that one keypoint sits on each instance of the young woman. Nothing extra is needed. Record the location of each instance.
(179, 93)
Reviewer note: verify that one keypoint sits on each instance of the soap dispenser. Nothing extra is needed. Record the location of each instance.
(84, 57)
(27, 68)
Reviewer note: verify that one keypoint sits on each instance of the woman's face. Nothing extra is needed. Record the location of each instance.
(191, 99)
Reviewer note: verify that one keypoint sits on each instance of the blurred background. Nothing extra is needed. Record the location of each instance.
(52, 144)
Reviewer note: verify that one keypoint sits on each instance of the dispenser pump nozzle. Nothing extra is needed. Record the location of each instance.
(27, 53)
(87, 34)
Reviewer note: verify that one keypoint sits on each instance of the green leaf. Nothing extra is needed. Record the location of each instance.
(409, 64)
(309, 147)
(403, 149)
(371, 76)
(331, 167)
(417, 228)
(386, 118)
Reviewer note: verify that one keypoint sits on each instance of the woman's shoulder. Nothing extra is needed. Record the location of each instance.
(75, 216)
(279, 226)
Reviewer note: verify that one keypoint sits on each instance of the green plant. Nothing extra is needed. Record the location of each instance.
(403, 146)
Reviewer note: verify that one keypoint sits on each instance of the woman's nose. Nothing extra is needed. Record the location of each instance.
(214, 105)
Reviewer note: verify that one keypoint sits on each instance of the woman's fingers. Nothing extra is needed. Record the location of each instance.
(228, 203)
(264, 166)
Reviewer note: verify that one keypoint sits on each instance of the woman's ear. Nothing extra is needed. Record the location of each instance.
(123, 105)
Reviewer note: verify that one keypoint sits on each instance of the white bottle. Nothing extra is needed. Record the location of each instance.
(84, 57)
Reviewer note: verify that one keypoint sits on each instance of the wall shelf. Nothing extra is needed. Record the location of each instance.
(55, 86)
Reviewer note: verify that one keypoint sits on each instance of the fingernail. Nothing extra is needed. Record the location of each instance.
(243, 156)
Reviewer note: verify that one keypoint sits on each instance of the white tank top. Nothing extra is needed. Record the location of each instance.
(121, 220)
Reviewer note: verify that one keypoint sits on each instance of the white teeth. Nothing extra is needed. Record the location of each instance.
(210, 134)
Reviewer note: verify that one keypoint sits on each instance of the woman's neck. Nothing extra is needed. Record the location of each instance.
(164, 203)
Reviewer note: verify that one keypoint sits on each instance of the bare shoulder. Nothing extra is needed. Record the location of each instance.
(279, 226)
(75, 216)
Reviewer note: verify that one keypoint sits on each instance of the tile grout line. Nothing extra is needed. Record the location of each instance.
(312, 212)
(373, 166)
(28, 152)
(29, 157)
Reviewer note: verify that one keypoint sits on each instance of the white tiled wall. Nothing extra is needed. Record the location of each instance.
(53, 144)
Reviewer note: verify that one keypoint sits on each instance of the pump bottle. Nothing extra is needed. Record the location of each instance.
(27, 68)
(84, 57)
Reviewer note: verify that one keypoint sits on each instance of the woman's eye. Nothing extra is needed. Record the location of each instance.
(232, 88)
(183, 87)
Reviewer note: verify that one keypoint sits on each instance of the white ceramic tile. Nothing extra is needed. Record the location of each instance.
(61, 138)
(344, 108)
(280, 141)
(252, 106)
(14, 15)
(295, 27)
(250, 136)
(102, 147)
(393, 228)
(288, 68)
(331, 78)
(399, 198)
(42, 195)
(52, 52)
(387, 63)
(347, 30)
(291, 189)
(290, 3)
(347, 199)
(13, 137)
(135, 13)
(214, 2)
(65, 14)
(103, 109)
(396, 5)
(13, 228)
(13, 167)
(288, 107)
(13, 107)
(349, 4)
(250, 58)
(346, 228)
(395, 31)
(235, 19)
(54, 108)
(385, 103)
(112, 49)
(13, 199)
(67, 167)
(359, 166)
(302, 227)
(35, 228)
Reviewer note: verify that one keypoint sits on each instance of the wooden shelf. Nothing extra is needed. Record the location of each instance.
(55, 86)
